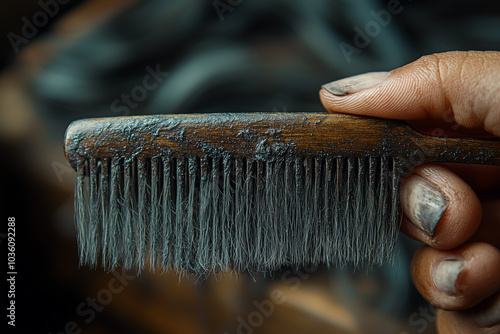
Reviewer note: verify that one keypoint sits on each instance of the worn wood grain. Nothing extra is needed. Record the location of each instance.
(269, 135)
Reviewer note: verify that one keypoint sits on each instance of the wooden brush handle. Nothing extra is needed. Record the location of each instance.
(485, 151)
(268, 135)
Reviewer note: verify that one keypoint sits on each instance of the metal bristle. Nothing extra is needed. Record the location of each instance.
(213, 214)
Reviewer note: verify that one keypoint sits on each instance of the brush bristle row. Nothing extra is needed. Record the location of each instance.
(213, 214)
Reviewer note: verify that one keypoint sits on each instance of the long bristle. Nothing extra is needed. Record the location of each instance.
(209, 214)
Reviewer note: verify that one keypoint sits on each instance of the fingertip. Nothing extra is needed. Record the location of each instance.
(439, 208)
(383, 100)
(458, 279)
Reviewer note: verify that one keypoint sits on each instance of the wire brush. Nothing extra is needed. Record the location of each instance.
(247, 192)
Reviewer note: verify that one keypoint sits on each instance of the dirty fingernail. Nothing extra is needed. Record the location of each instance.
(446, 273)
(423, 203)
(355, 83)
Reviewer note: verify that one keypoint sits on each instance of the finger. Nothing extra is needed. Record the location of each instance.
(467, 83)
(457, 279)
(483, 319)
(439, 208)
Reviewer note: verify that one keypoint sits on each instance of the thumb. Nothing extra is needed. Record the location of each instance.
(465, 83)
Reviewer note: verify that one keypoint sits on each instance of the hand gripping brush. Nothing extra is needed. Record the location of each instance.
(247, 192)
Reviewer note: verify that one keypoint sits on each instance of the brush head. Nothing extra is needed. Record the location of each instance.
(244, 192)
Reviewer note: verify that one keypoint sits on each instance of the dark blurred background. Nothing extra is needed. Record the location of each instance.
(61, 60)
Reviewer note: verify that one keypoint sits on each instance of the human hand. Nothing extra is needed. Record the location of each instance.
(453, 209)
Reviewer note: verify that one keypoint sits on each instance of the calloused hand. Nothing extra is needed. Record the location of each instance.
(453, 209)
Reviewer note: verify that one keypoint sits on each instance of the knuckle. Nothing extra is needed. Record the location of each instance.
(429, 70)
(429, 63)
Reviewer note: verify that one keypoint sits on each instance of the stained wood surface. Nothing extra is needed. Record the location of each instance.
(266, 136)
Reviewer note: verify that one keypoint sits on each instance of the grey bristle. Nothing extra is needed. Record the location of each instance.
(216, 213)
